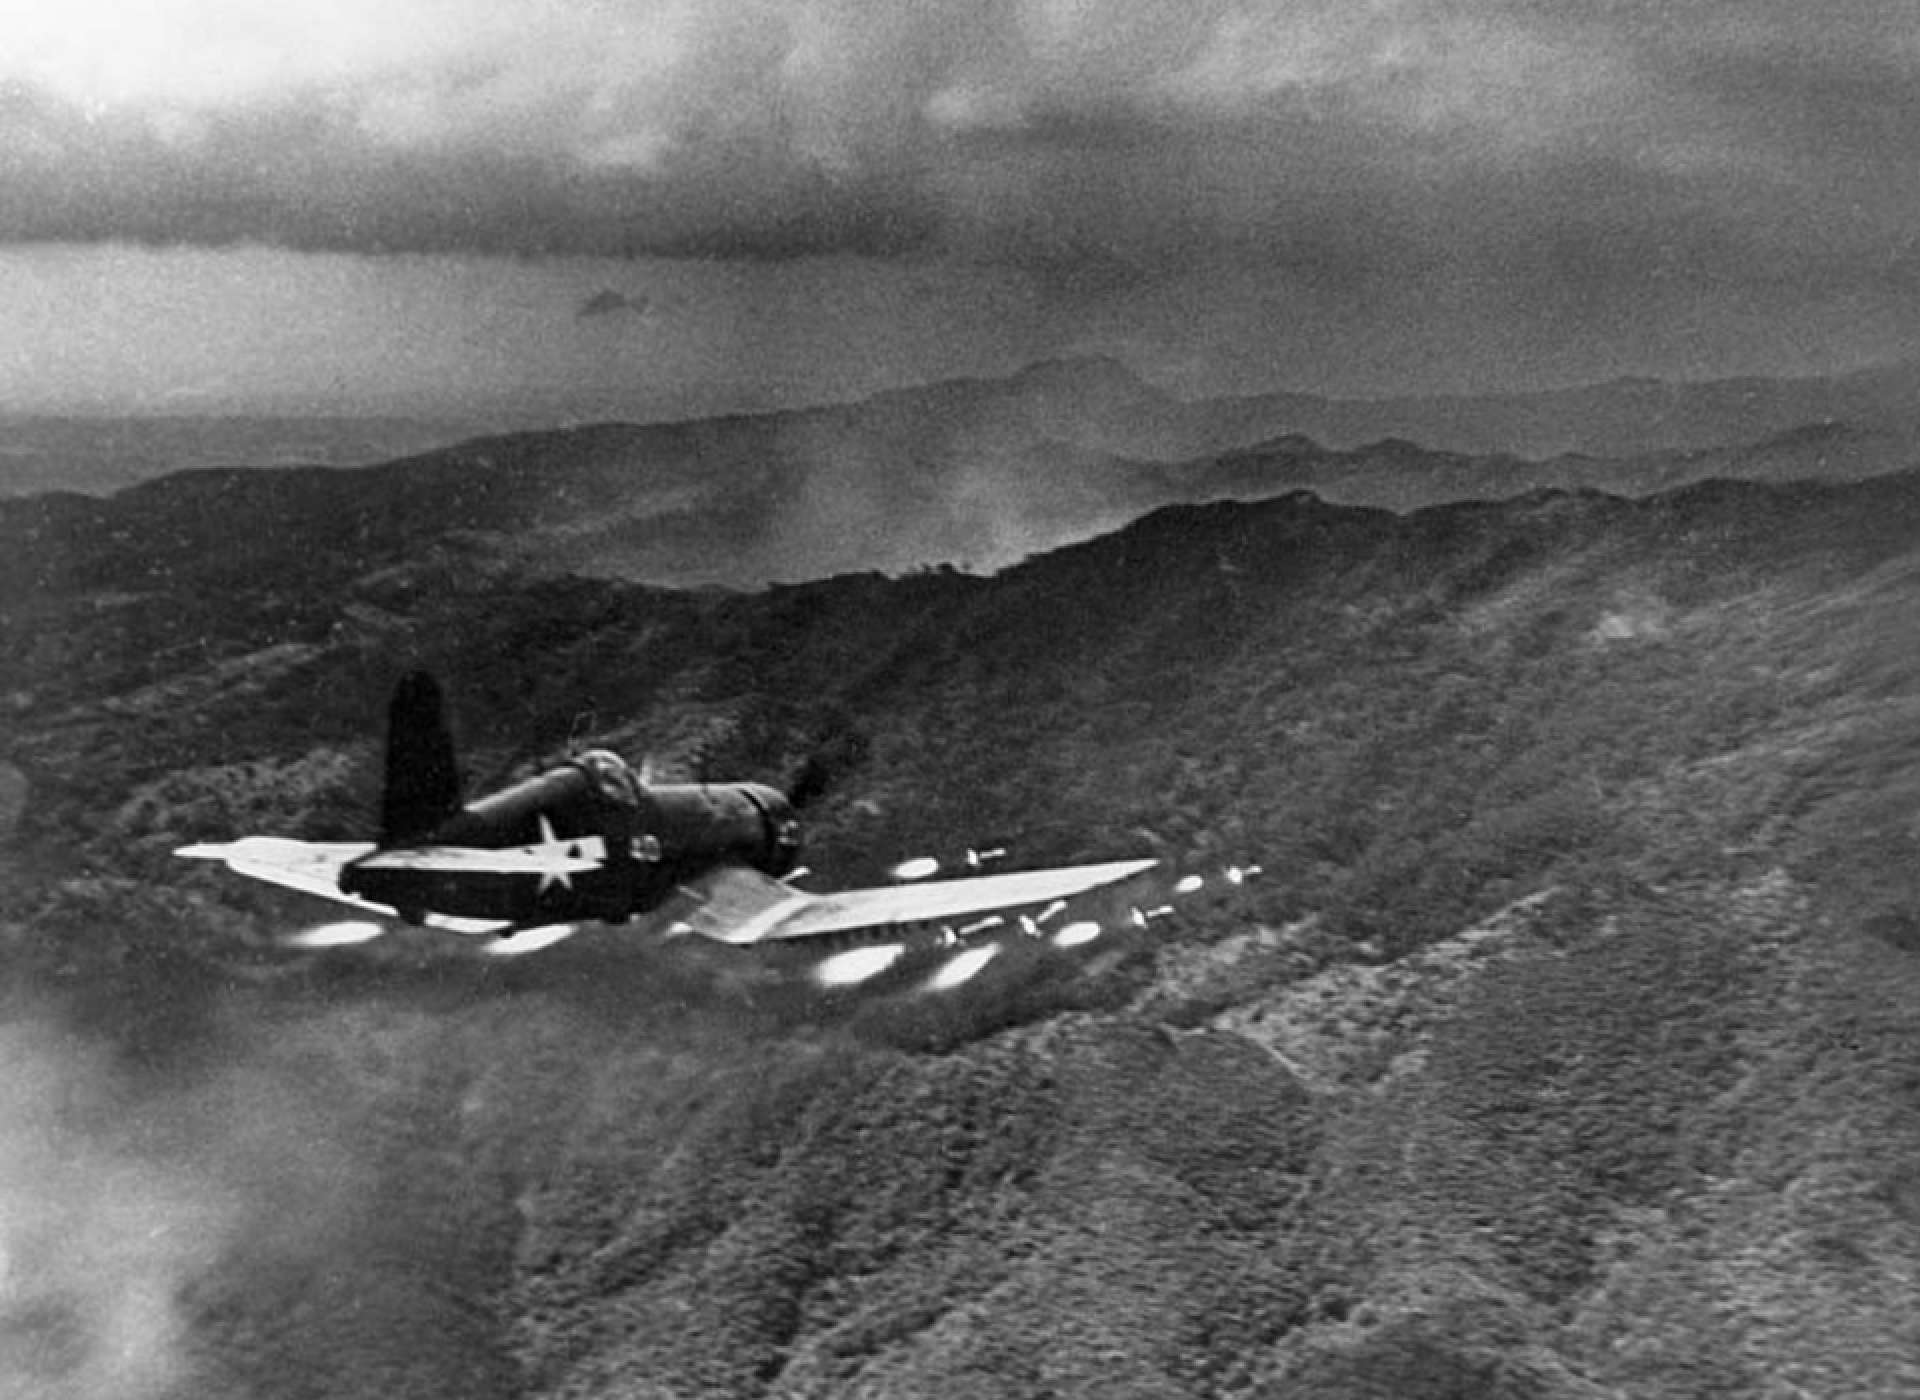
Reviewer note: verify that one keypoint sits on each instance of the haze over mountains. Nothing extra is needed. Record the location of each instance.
(101, 455)
(978, 473)
(1093, 404)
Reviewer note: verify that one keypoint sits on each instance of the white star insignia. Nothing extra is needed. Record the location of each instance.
(552, 845)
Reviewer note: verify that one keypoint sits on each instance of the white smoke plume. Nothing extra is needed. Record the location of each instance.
(97, 1238)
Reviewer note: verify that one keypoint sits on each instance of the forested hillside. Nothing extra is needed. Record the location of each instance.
(1566, 1047)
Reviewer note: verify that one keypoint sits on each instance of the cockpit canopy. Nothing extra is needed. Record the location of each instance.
(611, 775)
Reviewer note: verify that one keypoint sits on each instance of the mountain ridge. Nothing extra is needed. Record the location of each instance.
(742, 501)
(1097, 403)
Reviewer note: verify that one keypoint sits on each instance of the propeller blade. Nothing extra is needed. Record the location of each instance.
(810, 784)
(837, 749)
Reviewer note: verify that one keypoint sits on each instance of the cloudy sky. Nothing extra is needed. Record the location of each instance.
(360, 204)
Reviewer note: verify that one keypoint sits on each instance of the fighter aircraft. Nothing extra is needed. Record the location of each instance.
(591, 840)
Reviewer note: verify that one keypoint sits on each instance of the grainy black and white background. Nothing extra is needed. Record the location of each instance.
(1456, 455)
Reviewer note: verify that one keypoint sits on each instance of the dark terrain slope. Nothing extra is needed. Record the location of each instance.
(1567, 1048)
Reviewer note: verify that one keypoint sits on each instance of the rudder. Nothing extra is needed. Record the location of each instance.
(422, 780)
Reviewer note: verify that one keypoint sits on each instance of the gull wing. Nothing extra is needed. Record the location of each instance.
(741, 907)
(313, 867)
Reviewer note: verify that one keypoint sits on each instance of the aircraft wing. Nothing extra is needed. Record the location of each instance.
(741, 907)
(313, 867)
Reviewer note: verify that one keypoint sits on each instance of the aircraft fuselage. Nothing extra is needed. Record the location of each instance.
(585, 840)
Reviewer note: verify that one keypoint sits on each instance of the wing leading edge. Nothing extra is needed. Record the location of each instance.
(732, 905)
(742, 907)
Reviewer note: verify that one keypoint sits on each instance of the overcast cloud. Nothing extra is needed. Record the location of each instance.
(1134, 134)
(1531, 162)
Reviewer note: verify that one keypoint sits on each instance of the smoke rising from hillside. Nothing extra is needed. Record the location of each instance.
(97, 1237)
(213, 1218)
(318, 1187)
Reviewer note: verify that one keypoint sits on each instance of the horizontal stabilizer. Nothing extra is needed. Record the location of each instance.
(312, 867)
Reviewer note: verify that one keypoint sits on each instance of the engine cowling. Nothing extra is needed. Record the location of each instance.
(709, 823)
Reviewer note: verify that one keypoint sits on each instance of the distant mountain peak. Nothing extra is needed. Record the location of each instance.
(1082, 372)
(1823, 430)
(1285, 445)
(1395, 446)
(607, 302)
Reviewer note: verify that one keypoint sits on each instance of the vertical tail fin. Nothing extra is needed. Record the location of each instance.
(423, 781)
